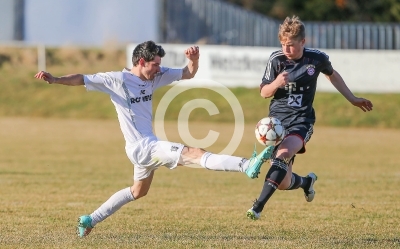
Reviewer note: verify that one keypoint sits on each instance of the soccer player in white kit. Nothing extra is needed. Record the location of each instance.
(131, 92)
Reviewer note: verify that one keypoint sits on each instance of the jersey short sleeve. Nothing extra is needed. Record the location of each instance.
(103, 82)
(325, 65)
(167, 76)
(272, 69)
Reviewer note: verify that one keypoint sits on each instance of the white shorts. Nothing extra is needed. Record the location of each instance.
(149, 153)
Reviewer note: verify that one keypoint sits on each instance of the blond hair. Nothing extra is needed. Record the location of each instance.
(292, 28)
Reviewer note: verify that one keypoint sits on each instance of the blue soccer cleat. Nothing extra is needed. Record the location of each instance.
(256, 161)
(84, 225)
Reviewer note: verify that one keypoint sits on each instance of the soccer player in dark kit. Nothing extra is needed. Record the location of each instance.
(290, 78)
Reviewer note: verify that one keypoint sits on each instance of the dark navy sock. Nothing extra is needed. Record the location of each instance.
(298, 182)
(274, 177)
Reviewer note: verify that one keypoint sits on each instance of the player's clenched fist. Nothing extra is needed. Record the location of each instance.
(282, 79)
(192, 53)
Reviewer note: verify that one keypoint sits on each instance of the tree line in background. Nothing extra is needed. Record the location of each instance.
(327, 10)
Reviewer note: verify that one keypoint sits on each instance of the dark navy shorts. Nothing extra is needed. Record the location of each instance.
(303, 130)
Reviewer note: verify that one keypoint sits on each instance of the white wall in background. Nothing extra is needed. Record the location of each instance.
(372, 71)
(91, 22)
(7, 20)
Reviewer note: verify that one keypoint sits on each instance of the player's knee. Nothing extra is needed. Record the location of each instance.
(191, 155)
(284, 155)
(139, 192)
(285, 152)
(195, 152)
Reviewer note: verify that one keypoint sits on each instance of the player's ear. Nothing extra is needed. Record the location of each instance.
(142, 62)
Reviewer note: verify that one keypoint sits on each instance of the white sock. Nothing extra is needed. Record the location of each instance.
(223, 162)
(115, 202)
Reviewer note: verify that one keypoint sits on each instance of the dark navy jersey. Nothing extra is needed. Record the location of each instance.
(293, 104)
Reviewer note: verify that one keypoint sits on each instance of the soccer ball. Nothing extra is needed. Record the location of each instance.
(269, 131)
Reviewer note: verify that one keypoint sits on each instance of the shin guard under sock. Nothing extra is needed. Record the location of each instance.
(274, 177)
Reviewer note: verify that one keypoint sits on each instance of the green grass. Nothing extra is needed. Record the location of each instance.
(23, 96)
(36, 99)
(53, 170)
(62, 155)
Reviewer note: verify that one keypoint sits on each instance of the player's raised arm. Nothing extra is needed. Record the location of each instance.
(193, 55)
(68, 80)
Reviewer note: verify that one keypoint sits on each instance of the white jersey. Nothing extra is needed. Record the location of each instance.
(132, 98)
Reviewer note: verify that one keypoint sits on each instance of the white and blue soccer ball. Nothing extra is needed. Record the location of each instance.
(269, 131)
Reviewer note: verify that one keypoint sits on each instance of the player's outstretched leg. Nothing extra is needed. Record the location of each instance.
(113, 204)
(84, 225)
(309, 192)
(256, 161)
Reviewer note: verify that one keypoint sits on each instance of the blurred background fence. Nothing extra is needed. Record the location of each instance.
(217, 22)
(173, 21)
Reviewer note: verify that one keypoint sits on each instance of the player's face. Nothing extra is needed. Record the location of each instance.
(151, 68)
(292, 48)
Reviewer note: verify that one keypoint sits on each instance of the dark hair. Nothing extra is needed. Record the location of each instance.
(148, 51)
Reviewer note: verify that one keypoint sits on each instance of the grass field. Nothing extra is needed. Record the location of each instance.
(23, 96)
(53, 170)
